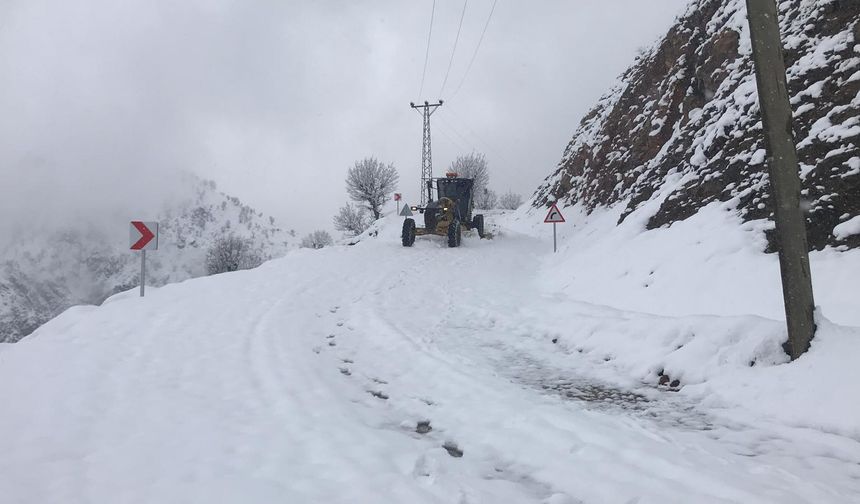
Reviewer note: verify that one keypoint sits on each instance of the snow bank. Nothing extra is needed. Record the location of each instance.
(733, 364)
(814, 392)
(701, 303)
(711, 264)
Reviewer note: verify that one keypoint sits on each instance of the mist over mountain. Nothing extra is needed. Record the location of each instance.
(46, 271)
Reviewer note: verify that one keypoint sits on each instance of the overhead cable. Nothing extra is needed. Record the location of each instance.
(427, 53)
(454, 51)
(475, 54)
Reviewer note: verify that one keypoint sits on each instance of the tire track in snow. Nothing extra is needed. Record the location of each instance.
(497, 466)
(375, 341)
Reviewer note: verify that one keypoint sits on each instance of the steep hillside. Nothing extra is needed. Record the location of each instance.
(40, 276)
(685, 118)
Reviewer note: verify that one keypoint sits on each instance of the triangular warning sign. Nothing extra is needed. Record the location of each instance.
(554, 215)
(406, 212)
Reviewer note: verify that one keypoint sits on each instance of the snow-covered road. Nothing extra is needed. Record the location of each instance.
(380, 374)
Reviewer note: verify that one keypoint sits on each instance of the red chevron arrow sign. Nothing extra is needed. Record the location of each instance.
(143, 235)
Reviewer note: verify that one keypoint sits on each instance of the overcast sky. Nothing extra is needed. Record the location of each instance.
(103, 101)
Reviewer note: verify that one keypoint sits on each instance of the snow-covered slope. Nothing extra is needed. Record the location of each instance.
(41, 275)
(711, 263)
(685, 117)
(374, 373)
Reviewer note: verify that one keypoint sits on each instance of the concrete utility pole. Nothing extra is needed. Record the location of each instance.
(784, 175)
(426, 154)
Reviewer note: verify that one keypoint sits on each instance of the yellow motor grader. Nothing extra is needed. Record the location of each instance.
(448, 215)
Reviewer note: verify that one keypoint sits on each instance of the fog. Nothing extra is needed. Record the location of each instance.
(103, 102)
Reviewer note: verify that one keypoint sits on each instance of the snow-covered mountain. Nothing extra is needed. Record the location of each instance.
(42, 275)
(684, 122)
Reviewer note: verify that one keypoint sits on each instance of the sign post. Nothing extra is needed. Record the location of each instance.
(397, 198)
(143, 236)
(554, 217)
(142, 271)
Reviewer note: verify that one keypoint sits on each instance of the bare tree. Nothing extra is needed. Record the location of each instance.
(352, 220)
(486, 199)
(231, 253)
(370, 184)
(510, 201)
(317, 240)
(473, 166)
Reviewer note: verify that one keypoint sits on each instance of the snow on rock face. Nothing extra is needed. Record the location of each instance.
(848, 228)
(43, 275)
(690, 107)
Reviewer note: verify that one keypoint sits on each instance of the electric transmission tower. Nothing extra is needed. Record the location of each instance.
(426, 153)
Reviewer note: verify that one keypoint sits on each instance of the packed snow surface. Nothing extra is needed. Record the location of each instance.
(377, 374)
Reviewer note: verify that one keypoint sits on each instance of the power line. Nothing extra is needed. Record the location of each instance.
(488, 146)
(427, 53)
(453, 141)
(454, 51)
(454, 130)
(475, 54)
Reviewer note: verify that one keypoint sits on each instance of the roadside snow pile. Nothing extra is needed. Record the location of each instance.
(735, 365)
(817, 391)
(711, 263)
(371, 232)
(698, 302)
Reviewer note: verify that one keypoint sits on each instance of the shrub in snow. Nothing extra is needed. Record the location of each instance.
(486, 199)
(317, 240)
(351, 220)
(371, 183)
(510, 201)
(231, 253)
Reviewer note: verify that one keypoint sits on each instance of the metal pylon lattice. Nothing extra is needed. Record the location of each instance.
(426, 150)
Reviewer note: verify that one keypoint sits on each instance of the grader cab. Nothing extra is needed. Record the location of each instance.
(448, 215)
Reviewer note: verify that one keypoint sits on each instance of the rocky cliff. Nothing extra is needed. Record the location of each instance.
(684, 118)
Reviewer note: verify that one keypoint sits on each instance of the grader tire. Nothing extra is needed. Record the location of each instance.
(455, 234)
(408, 234)
(478, 224)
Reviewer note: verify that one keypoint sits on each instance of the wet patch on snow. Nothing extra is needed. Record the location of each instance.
(645, 403)
(591, 392)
